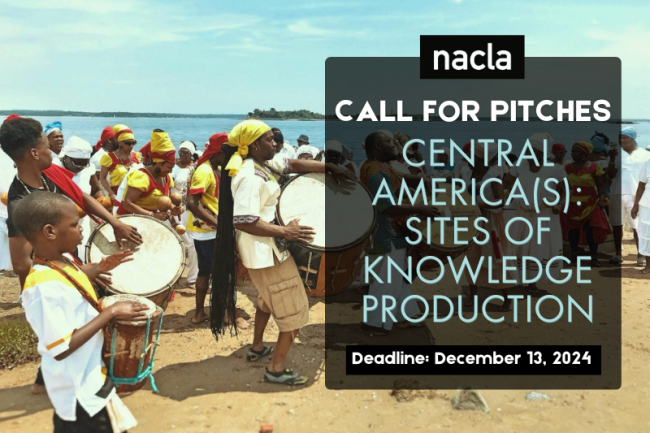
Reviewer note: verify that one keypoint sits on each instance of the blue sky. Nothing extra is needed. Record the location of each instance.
(231, 57)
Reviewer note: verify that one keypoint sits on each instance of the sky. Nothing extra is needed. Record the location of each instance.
(202, 56)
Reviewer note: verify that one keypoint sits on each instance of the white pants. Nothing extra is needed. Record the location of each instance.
(398, 289)
(644, 230)
(5, 258)
(192, 261)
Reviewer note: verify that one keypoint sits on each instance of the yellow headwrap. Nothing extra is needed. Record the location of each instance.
(122, 132)
(241, 136)
(585, 146)
(162, 148)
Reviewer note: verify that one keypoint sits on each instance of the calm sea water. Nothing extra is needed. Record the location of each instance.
(199, 130)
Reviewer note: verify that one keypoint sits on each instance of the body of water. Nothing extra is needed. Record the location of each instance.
(349, 133)
(181, 129)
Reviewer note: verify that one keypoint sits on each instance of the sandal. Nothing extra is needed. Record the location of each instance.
(616, 260)
(595, 263)
(254, 355)
(286, 377)
(641, 261)
(533, 290)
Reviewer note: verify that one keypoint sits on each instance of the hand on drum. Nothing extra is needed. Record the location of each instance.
(427, 211)
(111, 262)
(126, 310)
(125, 231)
(340, 173)
(295, 232)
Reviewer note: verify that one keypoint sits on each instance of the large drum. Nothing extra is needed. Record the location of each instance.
(130, 346)
(442, 243)
(333, 260)
(157, 263)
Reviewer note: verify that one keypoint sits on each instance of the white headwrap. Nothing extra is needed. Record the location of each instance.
(307, 149)
(334, 145)
(537, 140)
(76, 147)
(187, 145)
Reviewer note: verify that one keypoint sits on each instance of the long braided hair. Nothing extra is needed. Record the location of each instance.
(223, 298)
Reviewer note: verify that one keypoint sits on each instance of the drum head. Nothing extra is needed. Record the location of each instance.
(350, 214)
(150, 311)
(157, 263)
(446, 242)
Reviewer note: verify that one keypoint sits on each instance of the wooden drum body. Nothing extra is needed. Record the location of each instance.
(129, 346)
(329, 264)
(444, 246)
(157, 263)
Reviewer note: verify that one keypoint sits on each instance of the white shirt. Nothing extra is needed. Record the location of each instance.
(527, 181)
(7, 174)
(120, 190)
(492, 173)
(94, 160)
(55, 309)
(644, 176)
(627, 178)
(255, 197)
(287, 151)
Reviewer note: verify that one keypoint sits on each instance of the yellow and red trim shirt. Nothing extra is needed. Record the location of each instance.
(206, 183)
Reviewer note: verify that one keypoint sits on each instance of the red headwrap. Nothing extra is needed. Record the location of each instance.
(585, 146)
(557, 147)
(107, 134)
(466, 147)
(146, 151)
(213, 147)
(12, 117)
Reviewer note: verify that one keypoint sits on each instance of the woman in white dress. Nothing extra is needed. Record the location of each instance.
(551, 242)
(641, 209)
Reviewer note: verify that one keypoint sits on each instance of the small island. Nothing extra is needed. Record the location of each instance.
(273, 114)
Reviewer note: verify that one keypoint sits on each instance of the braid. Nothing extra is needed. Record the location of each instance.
(223, 298)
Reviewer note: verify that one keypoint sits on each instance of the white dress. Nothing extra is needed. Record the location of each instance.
(643, 229)
(551, 242)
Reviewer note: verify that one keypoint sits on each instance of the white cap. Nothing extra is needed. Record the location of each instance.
(187, 145)
(77, 147)
(307, 149)
(537, 140)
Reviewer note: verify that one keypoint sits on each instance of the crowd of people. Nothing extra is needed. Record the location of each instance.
(57, 190)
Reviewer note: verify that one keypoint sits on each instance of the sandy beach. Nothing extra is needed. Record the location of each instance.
(207, 385)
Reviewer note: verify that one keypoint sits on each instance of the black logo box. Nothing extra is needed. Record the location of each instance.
(489, 46)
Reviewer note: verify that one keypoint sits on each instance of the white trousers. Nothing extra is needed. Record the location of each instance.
(5, 258)
(398, 288)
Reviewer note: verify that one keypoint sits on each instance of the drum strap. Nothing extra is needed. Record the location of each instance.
(77, 285)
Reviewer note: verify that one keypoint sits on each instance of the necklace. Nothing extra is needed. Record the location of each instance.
(268, 174)
(47, 188)
(126, 163)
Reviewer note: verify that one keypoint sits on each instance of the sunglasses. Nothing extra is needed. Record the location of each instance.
(333, 153)
(129, 142)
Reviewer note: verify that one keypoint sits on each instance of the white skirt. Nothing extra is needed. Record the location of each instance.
(549, 246)
(643, 230)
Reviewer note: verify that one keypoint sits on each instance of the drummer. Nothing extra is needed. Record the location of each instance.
(116, 164)
(144, 187)
(247, 201)
(62, 308)
(389, 240)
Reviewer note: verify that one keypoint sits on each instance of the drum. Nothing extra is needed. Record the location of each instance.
(331, 262)
(130, 346)
(442, 241)
(157, 263)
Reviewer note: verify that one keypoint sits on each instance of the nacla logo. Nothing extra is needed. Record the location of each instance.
(478, 59)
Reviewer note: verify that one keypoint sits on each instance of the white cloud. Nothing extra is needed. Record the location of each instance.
(246, 45)
(303, 27)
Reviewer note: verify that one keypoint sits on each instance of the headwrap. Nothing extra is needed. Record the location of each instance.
(307, 149)
(557, 147)
(162, 148)
(51, 127)
(107, 134)
(76, 147)
(585, 146)
(599, 144)
(467, 147)
(145, 151)
(334, 145)
(628, 131)
(537, 140)
(12, 117)
(122, 132)
(242, 135)
(213, 147)
(187, 145)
